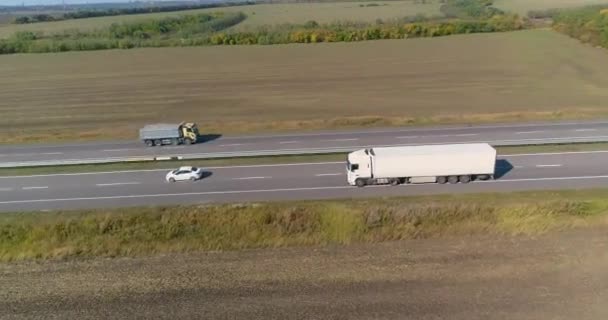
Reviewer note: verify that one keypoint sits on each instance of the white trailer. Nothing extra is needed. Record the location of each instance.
(451, 163)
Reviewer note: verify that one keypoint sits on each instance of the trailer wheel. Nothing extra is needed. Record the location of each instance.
(150, 143)
(465, 179)
(395, 182)
(442, 180)
(174, 142)
(453, 179)
(158, 142)
(360, 183)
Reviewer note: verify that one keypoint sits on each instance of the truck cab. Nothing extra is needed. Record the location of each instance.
(358, 166)
(189, 132)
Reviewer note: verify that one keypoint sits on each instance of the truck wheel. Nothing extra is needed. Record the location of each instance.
(465, 179)
(394, 182)
(150, 143)
(442, 180)
(174, 142)
(158, 142)
(453, 179)
(188, 141)
(360, 183)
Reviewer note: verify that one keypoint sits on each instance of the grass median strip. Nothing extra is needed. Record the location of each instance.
(146, 231)
(264, 160)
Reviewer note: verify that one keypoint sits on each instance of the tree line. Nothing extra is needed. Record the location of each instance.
(83, 14)
(588, 24)
(210, 29)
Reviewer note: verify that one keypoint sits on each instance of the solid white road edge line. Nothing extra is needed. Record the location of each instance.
(280, 190)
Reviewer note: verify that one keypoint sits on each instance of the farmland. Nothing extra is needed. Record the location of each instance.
(535, 74)
(523, 6)
(263, 14)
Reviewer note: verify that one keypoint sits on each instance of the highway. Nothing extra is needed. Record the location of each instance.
(294, 143)
(283, 182)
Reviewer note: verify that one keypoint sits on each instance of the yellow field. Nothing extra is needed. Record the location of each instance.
(257, 15)
(533, 74)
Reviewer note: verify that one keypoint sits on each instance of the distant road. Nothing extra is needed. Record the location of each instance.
(282, 182)
(293, 143)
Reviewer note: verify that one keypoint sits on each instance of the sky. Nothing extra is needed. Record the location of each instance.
(47, 2)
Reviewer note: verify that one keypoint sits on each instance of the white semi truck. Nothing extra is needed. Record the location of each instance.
(451, 163)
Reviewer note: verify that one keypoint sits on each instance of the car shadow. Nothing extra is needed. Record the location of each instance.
(502, 168)
(206, 174)
(208, 137)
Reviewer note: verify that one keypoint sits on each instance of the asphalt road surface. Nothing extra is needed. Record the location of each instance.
(547, 132)
(283, 182)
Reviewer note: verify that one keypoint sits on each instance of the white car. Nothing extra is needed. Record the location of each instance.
(184, 173)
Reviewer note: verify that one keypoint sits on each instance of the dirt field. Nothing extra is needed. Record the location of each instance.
(258, 15)
(534, 74)
(559, 276)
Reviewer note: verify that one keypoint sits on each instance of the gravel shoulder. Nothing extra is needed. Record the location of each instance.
(557, 276)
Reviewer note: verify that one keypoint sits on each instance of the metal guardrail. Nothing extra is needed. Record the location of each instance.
(259, 153)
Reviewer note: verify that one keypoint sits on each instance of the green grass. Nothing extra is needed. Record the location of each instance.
(146, 231)
(264, 160)
(263, 14)
(532, 75)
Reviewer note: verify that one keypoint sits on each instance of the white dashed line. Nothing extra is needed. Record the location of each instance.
(231, 145)
(585, 130)
(338, 140)
(116, 150)
(288, 142)
(32, 188)
(528, 132)
(328, 174)
(407, 137)
(115, 184)
(52, 153)
(251, 178)
(6, 189)
(456, 135)
(548, 165)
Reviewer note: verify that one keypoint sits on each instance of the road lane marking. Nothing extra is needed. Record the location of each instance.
(328, 174)
(453, 135)
(528, 132)
(251, 178)
(34, 188)
(6, 189)
(407, 137)
(52, 153)
(585, 130)
(355, 189)
(548, 165)
(117, 150)
(168, 169)
(288, 142)
(116, 184)
(340, 140)
(231, 145)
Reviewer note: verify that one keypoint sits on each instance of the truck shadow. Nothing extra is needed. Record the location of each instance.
(208, 137)
(502, 168)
